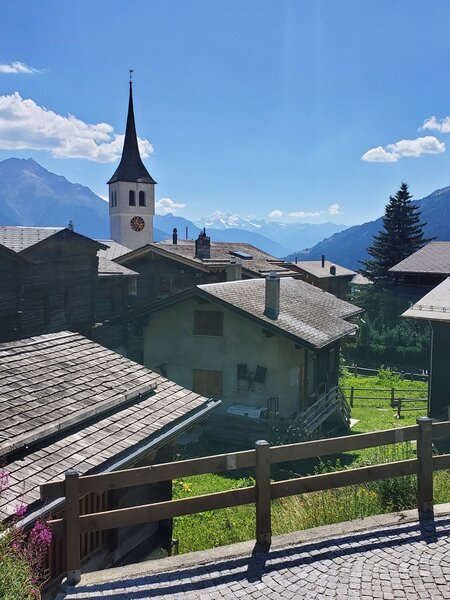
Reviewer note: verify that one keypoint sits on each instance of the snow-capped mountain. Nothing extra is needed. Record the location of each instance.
(222, 220)
(290, 235)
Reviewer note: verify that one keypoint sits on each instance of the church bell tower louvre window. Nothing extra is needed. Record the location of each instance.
(141, 198)
(131, 198)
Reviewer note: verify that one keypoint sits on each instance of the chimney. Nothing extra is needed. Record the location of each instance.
(174, 236)
(323, 261)
(234, 270)
(203, 245)
(332, 270)
(272, 306)
(187, 233)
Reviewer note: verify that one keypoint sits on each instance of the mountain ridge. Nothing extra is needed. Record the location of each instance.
(348, 248)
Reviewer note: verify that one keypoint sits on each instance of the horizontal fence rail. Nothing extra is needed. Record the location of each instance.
(72, 525)
(395, 396)
(374, 372)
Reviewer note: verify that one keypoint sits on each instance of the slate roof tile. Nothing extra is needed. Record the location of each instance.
(434, 258)
(104, 374)
(260, 264)
(306, 312)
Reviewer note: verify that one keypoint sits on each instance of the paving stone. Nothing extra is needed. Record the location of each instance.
(395, 563)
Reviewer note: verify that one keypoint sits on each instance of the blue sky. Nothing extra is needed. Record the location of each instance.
(244, 106)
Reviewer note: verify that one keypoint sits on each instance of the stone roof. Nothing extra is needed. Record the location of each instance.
(18, 238)
(260, 263)
(307, 313)
(113, 250)
(434, 258)
(314, 267)
(434, 306)
(66, 401)
(109, 268)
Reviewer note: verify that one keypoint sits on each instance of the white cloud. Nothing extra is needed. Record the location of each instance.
(167, 205)
(379, 154)
(275, 214)
(24, 125)
(17, 67)
(334, 209)
(434, 124)
(393, 152)
(103, 197)
(301, 214)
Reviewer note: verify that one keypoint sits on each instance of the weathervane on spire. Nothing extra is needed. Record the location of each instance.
(131, 76)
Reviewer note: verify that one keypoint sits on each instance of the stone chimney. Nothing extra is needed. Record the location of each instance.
(272, 305)
(323, 261)
(332, 270)
(174, 236)
(234, 270)
(203, 245)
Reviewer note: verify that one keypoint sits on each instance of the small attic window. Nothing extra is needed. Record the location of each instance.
(239, 254)
(131, 198)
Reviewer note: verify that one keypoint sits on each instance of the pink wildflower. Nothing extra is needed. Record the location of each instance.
(40, 535)
(20, 510)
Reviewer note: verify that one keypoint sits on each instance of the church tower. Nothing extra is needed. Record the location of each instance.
(131, 192)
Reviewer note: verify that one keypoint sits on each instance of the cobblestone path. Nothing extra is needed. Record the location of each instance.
(406, 561)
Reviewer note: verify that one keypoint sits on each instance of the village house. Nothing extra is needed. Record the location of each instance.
(50, 281)
(434, 307)
(168, 268)
(54, 279)
(268, 348)
(423, 270)
(326, 275)
(68, 403)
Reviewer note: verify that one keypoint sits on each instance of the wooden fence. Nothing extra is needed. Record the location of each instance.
(72, 525)
(357, 370)
(396, 397)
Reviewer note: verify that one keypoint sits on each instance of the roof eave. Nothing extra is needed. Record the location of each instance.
(151, 444)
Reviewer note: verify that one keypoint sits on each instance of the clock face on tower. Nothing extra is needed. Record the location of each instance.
(137, 223)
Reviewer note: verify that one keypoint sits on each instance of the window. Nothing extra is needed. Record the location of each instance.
(207, 383)
(164, 284)
(115, 197)
(208, 322)
(132, 286)
(141, 198)
(112, 198)
(131, 198)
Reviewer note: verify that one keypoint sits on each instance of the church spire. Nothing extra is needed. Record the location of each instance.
(131, 168)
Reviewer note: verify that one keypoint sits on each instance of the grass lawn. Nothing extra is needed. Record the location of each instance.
(227, 526)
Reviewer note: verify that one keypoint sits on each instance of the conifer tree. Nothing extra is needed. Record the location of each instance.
(402, 234)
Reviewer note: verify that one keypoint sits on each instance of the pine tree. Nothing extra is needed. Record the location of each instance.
(402, 234)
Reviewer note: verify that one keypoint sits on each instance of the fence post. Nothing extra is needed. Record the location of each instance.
(72, 518)
(263, 499)
(352, 394)
(392, 397)
(399, 408)
(425, 468)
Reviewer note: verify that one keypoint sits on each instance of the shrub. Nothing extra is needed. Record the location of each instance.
(22, 555)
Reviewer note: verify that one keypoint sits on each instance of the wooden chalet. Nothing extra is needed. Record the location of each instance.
(55, 279)
(434, 307)
(166, 268)
(68, 403)
(326, 275)
(423, 270)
